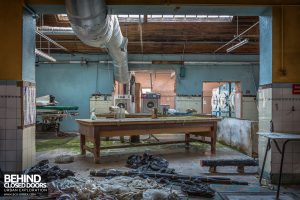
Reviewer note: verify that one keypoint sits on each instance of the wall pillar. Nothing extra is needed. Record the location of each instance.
(17, 87)
(279, 70)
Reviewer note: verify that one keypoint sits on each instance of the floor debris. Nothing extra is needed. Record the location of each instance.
(116, 188)
(49, 173)
(148, 162)
(64, 159)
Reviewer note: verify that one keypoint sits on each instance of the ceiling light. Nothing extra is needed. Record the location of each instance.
(241, 43)
(44, 55)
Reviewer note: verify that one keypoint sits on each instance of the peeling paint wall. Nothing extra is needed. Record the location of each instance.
(239, 134)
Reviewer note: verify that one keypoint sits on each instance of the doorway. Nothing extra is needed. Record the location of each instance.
(222, 99)
(161, 82)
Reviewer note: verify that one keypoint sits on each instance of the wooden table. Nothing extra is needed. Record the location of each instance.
(92, 130)
(287, 137)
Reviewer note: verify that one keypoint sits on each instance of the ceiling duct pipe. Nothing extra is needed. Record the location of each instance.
(94, 27)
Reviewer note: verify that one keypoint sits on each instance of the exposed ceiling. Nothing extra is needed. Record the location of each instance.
(164, 37)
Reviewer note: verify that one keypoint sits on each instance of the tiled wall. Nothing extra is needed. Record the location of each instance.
(183, 103)
(277, 103)
(17, 144)
(249, 108)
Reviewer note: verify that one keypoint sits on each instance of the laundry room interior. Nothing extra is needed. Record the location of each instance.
(106, 99)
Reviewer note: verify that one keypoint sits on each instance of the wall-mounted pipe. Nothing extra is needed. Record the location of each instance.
(94, 27)
(156, 62)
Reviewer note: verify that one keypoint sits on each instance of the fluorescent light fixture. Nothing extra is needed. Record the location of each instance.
(44, 55)
(241, 43)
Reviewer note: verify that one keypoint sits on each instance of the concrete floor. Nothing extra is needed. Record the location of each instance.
(184, 161)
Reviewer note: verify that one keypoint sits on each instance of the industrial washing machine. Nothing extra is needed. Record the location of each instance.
(150, 101)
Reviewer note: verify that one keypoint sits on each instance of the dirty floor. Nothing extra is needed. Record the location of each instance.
(184, 161)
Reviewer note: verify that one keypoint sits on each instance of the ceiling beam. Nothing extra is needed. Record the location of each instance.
(179, 2)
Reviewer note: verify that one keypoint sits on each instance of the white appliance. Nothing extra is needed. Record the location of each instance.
(123, 101)
(100, 103)
(163, 107)
(150, 101)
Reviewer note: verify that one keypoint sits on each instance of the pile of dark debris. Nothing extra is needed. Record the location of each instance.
(149, 178)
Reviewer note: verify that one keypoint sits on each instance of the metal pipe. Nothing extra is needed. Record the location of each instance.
(236, 37)
(44, 55)
(52, 30)
(94, 27)
(151, 62)
(50, 40)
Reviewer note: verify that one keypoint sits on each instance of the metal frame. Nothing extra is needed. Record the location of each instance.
(281, 162)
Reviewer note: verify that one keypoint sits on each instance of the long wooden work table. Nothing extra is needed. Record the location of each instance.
(93, 130)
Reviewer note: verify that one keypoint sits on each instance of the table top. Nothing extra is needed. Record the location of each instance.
(274, 135)
(161, 120)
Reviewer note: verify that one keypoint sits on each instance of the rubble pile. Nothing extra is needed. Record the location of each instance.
(117, 188)
(148, 162)
(49, 173)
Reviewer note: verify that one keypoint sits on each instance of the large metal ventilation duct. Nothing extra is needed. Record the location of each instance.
(94, 27)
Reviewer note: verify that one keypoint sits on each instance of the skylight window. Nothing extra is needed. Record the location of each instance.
(166, 18)
(62, 17)
(131, 18)
(189, 18)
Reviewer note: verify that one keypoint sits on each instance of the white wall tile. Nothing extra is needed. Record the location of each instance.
(2, 156)
(2, 89)
(276, 158)
(2, 166)
(296, 157)
(296, 147)
(11, 134)
(287, 168)
(11, 144)
(11, 102)
(2, 113)
(2, 102)
(13, 90)
(2, 134)
(11, 124)
(296, 168)
(277, 92)
(11, 166)
(11, 156)
(2, 123)
(11, 113)
(2, 145)
(287, 92)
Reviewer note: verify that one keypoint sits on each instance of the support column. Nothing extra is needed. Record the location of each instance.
(17, 87)
(279, 71)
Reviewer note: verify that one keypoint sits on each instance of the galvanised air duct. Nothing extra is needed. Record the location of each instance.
(94, 27)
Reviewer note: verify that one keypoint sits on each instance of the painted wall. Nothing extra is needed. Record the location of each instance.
(11, 40)
(28, 54)
(73, 84)
(192, 83)
(286, 70)
(265, 25)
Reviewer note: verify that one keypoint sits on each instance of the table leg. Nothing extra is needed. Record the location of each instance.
(264, 162)
(213, 138)
(281, 165)
(187, 140)
(97, 148)
(82, 144)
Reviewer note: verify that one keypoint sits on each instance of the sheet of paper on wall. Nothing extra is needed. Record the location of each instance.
(29, 108)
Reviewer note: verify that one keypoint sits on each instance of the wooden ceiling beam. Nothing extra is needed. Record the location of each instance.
(180, 2)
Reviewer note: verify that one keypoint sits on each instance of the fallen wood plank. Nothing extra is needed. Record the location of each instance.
(233, 162)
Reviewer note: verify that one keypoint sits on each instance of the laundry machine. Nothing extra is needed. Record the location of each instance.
(150, 101)
(123, 101)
